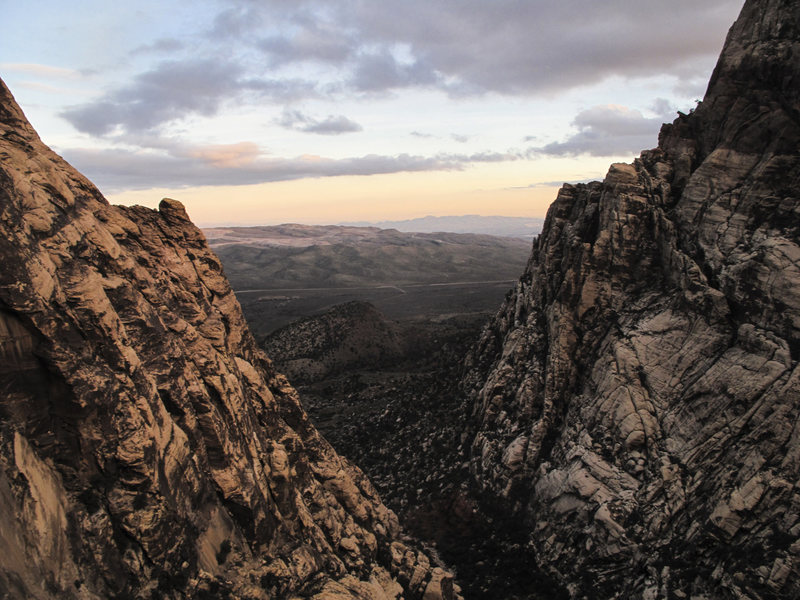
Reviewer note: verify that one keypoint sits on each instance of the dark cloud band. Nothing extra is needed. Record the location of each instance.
(331, 125)
(237, 164)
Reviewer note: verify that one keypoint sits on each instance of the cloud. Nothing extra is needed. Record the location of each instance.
(170, 91)
(517, 47)
(242, 164)
(285, 52)
(474, 47)
(227, 155)
(557, 183)
(281, 90)
(608, 130)
(236, 21)
(381, 71)
(331, 125)
(41, 70)
(662, 107)
(164, 45)
(255, 51)
(173, 90)
(314, 42)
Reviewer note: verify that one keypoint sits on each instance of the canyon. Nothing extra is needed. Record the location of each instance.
(627, 424)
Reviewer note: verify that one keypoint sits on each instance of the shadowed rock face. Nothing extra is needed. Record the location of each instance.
(147, 446)
(637, 399)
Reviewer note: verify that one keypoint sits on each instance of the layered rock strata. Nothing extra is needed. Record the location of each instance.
(637, 398)
(148, 449)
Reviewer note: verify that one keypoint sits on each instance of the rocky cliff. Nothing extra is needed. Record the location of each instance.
(148, 449)
(637, 399)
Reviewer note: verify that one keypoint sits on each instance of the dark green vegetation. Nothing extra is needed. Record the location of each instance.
(267, 311)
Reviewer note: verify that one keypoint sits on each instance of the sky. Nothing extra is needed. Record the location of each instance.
(325, 111)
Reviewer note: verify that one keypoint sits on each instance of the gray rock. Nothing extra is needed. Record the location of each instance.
(648, 355)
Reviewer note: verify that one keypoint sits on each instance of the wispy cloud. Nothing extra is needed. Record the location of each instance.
(47, 71)
(243, 164)
(308, 52)
(227, 156)
(331, 125)
(314, 41)
(162, 45)
(173, 90)
(170, 91)
(608, 130)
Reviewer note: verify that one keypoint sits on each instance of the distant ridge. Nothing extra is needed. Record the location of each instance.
(292, 255)
(525, 227)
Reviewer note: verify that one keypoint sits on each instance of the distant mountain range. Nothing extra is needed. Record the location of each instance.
(525, 227)
(323, 256)
(284, 272)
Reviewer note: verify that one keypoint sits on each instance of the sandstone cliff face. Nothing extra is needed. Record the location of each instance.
(148, 449)
(637, 398)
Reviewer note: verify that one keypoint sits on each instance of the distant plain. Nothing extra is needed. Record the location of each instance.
(282, 273)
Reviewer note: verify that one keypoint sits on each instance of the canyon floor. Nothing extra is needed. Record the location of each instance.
(402, 420)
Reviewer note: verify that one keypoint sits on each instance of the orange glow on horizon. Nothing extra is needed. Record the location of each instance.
(502, 189)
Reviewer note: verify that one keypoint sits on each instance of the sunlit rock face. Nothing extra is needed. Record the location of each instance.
(636, 401)
(148, 449)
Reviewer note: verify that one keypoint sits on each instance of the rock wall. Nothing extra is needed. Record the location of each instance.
(148, 449)
(636, 401)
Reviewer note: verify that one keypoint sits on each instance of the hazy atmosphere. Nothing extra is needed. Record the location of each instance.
(323, 112)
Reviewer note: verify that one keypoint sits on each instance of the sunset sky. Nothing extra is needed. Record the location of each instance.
(273, 111)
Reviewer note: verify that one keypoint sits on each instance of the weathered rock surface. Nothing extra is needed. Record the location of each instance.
(148, 449)
(637, 399)
(403, 422)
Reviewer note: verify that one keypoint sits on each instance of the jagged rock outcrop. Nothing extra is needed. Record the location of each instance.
(148, 449)
(637, 398)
